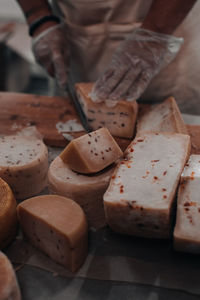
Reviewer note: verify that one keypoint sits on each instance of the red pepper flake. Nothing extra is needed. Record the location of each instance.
(96, 154)
(131, 150)
(186, 204)
(171, 166)
(155, 160)
(187, 209)
(164, 196)
(164, 173)
(95, 140)
(147, 172)
(199, 210)
(89, 142)
(122, 162)
(109, 149)
(164, 190)
(121, 189)
(187, 165)
(103, 157)
(192, 175)
(155, 178)
(140, 140)
(101, 152)
(91, 151)
(89, 134)
(113, 177)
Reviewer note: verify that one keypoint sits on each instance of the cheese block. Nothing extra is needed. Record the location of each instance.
(57, 226)
(8, 216)
(9, 289)
(87, 191)
(120, 119)
(163, 117)
(186, 233)
(92, 152)
(23, 164)
(139, 200)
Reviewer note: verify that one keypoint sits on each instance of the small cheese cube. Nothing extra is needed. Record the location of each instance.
(91, 152)
(120, 119)
(139, 200)
(8, 214)
(87, 191)
(187, 229)
(163, 117)
(9, 289)
(57, 226)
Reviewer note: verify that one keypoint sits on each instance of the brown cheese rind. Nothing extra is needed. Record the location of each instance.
(9, 289)
(57, 226)
(92, 152)
(186, 232)
(120, 119)
(140, 197)
(8, 215)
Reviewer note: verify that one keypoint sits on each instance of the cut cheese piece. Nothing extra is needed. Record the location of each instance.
(120, 119)
(8, 216)
(92, 152)
(186, 233)
(57, 226)
(23, 164)
(87, 191)
(9, 289)
(140, 197)
(164, 117)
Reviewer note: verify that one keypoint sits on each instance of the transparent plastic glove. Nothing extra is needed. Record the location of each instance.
(51, 50)
(138, 59)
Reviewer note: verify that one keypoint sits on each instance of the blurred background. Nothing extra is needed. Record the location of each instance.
(18, 69)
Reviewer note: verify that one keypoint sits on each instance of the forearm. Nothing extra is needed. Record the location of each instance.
(34, 10)
(165, 16)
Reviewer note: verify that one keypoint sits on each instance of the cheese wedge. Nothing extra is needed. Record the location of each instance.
(120, 119)
(9, 289)
(186, 233)
(87, 191)
(23, 164)
(92, 152)
(139, 200)
(57, 226)
(163, 117)
(8, 215)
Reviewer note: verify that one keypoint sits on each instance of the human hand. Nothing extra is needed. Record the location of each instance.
(138, 59)
(51, 50)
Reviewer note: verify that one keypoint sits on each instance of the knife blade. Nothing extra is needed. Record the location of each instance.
(71, 92)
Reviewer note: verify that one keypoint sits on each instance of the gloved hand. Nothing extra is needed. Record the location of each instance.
(51, 50)
(138, 59)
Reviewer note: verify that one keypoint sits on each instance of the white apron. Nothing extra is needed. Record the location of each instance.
(95, 29)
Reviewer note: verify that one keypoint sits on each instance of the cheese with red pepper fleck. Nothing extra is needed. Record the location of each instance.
(139, 200)
(120, 119)
(186, 233)
(91, 152)
(163, 117)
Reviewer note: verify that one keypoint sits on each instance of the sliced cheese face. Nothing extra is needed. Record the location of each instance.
(186, 233)
(141, 193)
(23, 165)
(164, 117)
(120, 119)
(92, 152)
(57, 226)
(8, 215)
(9, 289)
(87, 191)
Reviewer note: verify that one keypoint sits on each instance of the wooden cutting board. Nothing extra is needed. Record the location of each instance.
(18, 111)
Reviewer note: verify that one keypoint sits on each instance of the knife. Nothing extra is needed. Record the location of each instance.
(71, 92)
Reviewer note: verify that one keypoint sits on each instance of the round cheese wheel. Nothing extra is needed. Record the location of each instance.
(23, 165)
(57, 226)
(8, 216)
(86, 190)
(9, 288)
